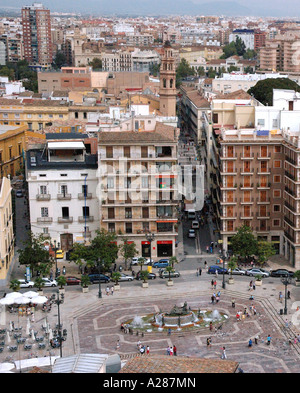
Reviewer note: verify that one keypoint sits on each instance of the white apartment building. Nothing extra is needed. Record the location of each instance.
(244, 34)
(62, 185)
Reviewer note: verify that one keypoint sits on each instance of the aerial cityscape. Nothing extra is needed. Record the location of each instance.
(150, 189)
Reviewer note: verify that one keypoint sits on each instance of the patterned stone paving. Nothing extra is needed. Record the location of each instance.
(99, 329)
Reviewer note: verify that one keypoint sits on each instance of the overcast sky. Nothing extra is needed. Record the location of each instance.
(262, 7)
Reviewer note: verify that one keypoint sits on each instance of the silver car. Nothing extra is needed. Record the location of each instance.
(26, 284)
(126, 277)
(257, 272)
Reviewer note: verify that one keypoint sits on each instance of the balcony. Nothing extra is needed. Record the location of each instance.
(262, 229)
(290, 222)
(42, 220)
(86, 218)
(264, 157)
(82, 196)
(290, 237)
(65, 220)
(43, 197)
(290, 175)
(64, 197)
(249, 156)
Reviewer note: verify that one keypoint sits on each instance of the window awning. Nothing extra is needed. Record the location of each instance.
(65, 145)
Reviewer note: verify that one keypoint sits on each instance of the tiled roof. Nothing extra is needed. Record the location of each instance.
(176, 364)
(235, 95)
(198, 99)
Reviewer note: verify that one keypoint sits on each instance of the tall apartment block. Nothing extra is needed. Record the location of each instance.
(37, 35)
(138, 187)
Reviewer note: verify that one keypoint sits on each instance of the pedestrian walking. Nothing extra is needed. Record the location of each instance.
(233, 303)
(175, 350)
(208, 342)
(197, 272)
(280, 297)
(215, 282)
(168, 350)
(118, 345)
(250, 343)
(212, 284)
(107, 290)
(112, 290)
(223, 355)
(171, 351)
(200, 271)
(256, 340)
(205, 264)
(148, 350)
(269, 338)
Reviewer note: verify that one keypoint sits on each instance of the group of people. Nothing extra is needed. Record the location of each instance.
(109, 291)
(143, 349)
(171, 351)
(215, 298)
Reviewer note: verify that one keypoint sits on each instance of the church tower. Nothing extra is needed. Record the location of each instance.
(167, 89)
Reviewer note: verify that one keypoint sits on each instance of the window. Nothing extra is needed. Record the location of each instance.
(44, 212)
(277, 164)
(261, 122)
(85, 211)
(276, 223)
(277, 179)
(277, 149)
(111, 227)
(277, 193)
(109, 152)
(64, 190)
(111, 212)
(84, 190)
(128, 212)
(43, 190)
(65, 212)
(276, 208)
(128, 227)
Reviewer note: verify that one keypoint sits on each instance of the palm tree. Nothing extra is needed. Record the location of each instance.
(170, 270)
(14, 285)
(141, 262)
(232, 264)
(144, 275)
(172, 261)
(116, 277)
(38, 283)
(85, 281)
(61, 280)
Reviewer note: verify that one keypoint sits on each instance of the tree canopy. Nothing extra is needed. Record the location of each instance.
(234, 48)
(243, 243)
(263, 90)
(183, 70)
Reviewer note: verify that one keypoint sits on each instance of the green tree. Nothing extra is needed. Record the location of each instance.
(229, 50)
(201, 71)
(116, 277)
(61, 281)
(232, 264)
(144, 275)
(154, 69)
(103, 250)
(59, 60)
(85, 281)
(240, 46)
(264, 251)
(14, 285)
(170, 269)
(35, 255)
(183, 70)
(211, 73)
(141, 262)
(96, 64)
(243, 243)
(232, 69)
(128, 251)
(250, 54)
(263, 90)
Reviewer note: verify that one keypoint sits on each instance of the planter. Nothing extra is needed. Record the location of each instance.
(85, 289)
(258, 283)
(297, 283)
(231, 280)
(117, 287)
(61, 290)
(145, 285)
(40, 292)
(170, 283)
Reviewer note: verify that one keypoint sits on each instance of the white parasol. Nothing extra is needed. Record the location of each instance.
(7, 301)
(30, 294)
(50, 334)
(22, 300)
(32, 335)
(28, 327)
(13, 295)
(39, 300)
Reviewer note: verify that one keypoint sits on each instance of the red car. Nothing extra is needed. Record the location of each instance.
(73, 281)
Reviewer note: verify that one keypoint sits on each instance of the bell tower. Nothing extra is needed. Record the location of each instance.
(167, 88)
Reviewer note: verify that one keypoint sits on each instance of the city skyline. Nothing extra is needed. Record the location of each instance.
(266, 8)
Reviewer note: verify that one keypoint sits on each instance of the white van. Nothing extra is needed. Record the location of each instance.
(195, 225)
(191, 214)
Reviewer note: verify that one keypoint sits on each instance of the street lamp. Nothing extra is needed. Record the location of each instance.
(58, 300)
(55, 250)
(99, 293)
(223, 283)
(286, 281)
(150, 237)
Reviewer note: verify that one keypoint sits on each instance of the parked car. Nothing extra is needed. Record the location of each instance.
(212, 270)
(73, 280)
(165, 274)
(195, 225)
(49, 283)
(60, 254)
(98, 277)
(257, 271)
(161, 263)
(135, 261)
(126, 277)
(19, 193)
(237, 271)
(26, 284)
(281, 273)
(191, 233)
(151, 276)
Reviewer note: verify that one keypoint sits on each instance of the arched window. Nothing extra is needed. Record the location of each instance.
(171, 83)
(164, 83)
